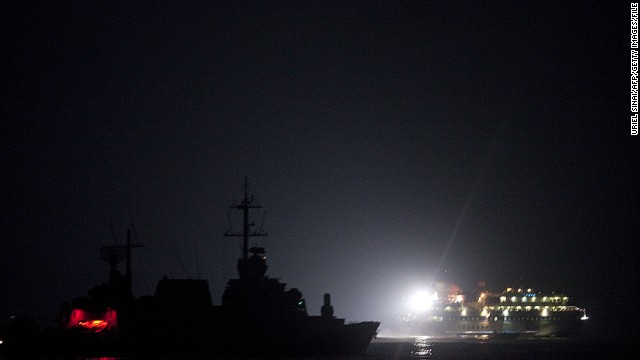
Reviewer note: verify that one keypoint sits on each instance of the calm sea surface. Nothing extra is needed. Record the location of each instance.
(473, 349)
(425, 348)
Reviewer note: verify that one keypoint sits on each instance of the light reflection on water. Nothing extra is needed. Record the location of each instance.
(422, 348)
(429, 348)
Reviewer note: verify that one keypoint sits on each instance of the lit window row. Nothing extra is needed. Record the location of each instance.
(554, 299)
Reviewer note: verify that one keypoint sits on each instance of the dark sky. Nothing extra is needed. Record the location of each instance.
(388, 142)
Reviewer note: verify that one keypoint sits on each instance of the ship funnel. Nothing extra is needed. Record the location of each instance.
(327, 310)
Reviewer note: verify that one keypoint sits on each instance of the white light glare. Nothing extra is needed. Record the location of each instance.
(422, 300)
(584, 315)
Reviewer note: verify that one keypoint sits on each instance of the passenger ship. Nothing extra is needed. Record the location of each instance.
(514, 312)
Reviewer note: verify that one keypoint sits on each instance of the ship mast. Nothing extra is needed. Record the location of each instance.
(247, 203)
(128, 247)
(113, 255)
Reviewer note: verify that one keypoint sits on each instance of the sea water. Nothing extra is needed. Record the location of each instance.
(485, 349)
(418, 348)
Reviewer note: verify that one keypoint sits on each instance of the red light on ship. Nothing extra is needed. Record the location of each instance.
(93, 322)
(94, 325)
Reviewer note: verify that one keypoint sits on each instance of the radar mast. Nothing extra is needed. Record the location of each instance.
(247, 203)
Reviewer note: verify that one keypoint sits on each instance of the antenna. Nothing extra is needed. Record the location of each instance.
(247, 203)
(115, 253)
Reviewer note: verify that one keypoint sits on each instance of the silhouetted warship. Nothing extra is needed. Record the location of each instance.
(258, 315)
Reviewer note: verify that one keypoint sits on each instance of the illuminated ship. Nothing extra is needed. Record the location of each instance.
(258, 316)
(514, 312)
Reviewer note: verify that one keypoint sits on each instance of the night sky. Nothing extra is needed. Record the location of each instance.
(391, 143)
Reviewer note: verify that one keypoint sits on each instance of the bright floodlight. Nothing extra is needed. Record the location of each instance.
(422, 300)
